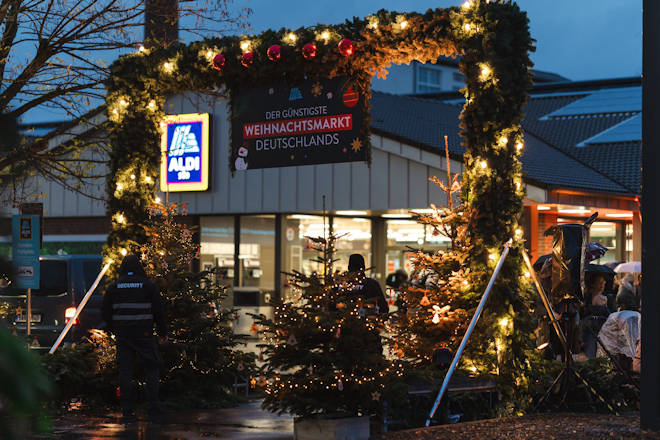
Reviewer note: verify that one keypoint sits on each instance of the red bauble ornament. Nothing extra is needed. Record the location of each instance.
(247, 59)
(346, 47)
(309, 51)
(274, 52)
(219, 61)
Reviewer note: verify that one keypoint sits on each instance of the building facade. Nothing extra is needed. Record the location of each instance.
(581, 156)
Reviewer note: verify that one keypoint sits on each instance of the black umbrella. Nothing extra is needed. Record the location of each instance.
(603, 270)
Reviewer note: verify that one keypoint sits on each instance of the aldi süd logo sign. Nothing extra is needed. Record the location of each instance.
(185, 153)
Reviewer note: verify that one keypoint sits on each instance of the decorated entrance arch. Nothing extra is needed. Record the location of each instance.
(493, 42)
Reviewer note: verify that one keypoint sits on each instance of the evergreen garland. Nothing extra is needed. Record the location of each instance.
(493, 40)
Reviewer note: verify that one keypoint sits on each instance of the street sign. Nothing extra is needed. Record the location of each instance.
(35, 209)
(25, 250)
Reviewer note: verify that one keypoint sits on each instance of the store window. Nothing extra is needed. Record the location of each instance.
(629, 242)
(257, 252)
(402, 235)
(605, 234)
(217, 247)
(355, 239)
(297, 250)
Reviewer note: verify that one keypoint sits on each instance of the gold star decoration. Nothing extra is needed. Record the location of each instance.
(356, 145)
(375, 396)
(317, 89)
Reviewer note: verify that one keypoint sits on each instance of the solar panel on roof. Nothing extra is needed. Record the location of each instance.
(628, 130)
(618, 100)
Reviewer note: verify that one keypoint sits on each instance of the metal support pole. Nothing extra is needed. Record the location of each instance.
(79, 309)
(650, 210)
(473, 323)
(29, 310)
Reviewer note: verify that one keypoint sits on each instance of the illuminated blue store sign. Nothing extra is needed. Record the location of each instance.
(185, 151)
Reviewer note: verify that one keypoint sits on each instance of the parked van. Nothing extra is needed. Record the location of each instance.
(64, 280)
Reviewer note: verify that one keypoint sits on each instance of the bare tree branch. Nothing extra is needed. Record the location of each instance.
(54, 55)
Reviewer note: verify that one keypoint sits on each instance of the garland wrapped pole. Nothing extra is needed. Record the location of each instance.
(492, 38)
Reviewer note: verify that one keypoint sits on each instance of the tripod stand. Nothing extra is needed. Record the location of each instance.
(565, 336)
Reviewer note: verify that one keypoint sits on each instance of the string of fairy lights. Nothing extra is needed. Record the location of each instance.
(140, 83)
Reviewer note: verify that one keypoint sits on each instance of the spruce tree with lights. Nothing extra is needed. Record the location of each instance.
(436, 312)
(201, 361)
(323, 353)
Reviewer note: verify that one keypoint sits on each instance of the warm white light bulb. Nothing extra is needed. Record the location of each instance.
(483, 164)
(504, 322)
(404, 24)
(141, 48)
(147, 179)
(124, 252)
(157, 199)
(119, 187)
(132, 176)
(504, 140)
(467, 4)
(436, 318)
(325, 35)
(492, 256)
(467, 27)
(245, 45)
(292, 37)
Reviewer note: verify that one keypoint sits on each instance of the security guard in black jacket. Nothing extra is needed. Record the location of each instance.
(131, 307)
(367, 288)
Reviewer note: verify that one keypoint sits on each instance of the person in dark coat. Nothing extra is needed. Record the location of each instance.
(594, 312)
(367, 288)
(131, 306)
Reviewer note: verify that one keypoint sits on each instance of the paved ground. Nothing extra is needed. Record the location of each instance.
(535, 426)
(248, 421)
(244, 422)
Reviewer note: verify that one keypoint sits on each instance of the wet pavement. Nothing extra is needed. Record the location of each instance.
(246, 421)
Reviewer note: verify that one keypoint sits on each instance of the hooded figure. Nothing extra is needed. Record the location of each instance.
(367, 288)
(131, 307)
(627, 297)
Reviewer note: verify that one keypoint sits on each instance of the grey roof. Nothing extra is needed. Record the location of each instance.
(540, 76)
(597, 124)
(424, 122)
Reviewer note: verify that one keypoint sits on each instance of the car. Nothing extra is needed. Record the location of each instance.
(64, 280)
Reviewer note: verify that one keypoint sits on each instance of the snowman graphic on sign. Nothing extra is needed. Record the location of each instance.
(241, 163)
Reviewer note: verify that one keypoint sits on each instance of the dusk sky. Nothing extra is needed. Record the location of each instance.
(579, 39)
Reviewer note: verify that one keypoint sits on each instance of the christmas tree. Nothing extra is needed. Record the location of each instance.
(438, 308)
(324, 353)
(201, 360)
(435, 311)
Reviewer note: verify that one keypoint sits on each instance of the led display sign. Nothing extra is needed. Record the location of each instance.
(185, 153)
